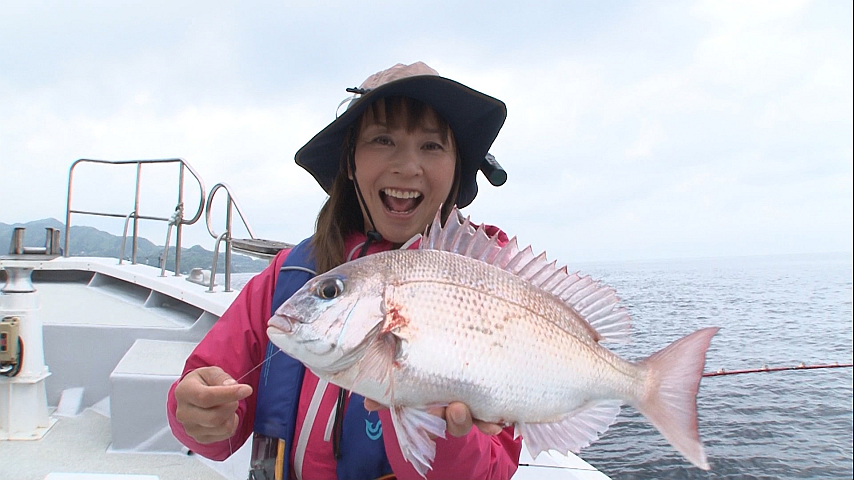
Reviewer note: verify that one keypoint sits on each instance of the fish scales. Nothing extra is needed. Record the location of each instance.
(510, 343)
(512, 336)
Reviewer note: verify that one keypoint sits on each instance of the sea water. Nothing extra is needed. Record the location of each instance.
(774, 311)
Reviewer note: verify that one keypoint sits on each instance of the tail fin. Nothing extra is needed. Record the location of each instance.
(670, 402)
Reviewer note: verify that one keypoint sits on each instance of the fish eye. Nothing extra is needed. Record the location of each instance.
(330, 288)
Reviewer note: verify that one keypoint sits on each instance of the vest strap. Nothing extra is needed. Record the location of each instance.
(363, 454)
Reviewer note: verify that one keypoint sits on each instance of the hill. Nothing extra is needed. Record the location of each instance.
(91, 242)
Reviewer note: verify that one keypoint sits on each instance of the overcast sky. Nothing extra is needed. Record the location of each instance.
(635, 130)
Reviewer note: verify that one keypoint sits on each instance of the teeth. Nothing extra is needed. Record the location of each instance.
(391, 192)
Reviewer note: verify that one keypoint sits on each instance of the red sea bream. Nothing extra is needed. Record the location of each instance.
(515, 338)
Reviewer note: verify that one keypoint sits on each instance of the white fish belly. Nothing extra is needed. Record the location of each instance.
(494, 346)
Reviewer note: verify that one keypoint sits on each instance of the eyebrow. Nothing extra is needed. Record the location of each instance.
(431, 130)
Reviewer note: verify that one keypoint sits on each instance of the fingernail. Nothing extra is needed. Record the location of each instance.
(230, 381)
(457, 416)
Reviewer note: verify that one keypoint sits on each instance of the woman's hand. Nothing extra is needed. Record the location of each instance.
(457, 417)
(207, 400)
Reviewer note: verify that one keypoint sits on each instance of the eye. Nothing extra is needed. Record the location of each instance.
(382, 140)
(330, 288)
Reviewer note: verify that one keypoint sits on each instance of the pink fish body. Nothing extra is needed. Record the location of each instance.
(505, 332)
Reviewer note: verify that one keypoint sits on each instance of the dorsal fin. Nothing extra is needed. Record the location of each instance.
(595, 302)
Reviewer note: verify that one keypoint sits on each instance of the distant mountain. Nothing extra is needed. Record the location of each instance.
(91, 242)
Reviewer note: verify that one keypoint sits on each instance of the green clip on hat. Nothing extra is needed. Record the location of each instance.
(474, 118)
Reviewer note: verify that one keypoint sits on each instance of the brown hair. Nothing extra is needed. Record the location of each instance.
(341, 213)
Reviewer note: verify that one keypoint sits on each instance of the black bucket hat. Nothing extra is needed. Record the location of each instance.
(475, 119)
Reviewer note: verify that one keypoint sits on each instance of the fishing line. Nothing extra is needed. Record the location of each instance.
(766, 368)
(256, 367)
(278, 350)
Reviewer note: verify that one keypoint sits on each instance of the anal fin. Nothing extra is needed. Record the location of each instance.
(574, 431)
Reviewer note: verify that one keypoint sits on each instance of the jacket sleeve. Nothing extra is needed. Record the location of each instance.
(475, 456)
(236, 343)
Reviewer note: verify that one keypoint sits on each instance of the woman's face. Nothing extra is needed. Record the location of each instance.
(403, 175)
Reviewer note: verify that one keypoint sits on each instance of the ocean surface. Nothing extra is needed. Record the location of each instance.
(773, 310)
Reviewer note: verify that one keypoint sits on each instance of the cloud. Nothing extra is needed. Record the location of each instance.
(676, 129)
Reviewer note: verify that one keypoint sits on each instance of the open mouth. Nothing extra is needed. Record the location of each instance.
(400, 201)
(284, 323)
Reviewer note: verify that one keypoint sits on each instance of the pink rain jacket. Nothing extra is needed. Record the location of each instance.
(237, 344)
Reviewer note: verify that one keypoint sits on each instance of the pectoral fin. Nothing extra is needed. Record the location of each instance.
(378, 360)
(368, 347)
(414, 428)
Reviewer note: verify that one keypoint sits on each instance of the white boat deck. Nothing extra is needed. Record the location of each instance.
(118, 335)
(81, 444)
(72, 297)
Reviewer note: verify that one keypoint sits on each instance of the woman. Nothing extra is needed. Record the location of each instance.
(409, 143)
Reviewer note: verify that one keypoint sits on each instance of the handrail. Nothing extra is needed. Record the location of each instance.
(124, 237)
(230, 202)
(174, 220)
(135, 213)
(216, 260)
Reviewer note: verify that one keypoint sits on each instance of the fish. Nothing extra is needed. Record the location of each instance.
(462, 318)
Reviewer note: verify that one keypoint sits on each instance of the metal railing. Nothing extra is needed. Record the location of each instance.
(51, 243)
(231, 204)
(177, 219)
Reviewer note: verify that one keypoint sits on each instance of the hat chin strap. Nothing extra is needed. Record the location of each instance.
(372, 234)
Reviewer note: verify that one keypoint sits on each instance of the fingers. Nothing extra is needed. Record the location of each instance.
(209, 387)
(212, 376)
(457, 417)
(459, 420)
(210, 425)
(488, 428)
(215, 377)
(373, 406)
(207, 401)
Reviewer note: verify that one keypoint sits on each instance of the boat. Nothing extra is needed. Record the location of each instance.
(90, 346)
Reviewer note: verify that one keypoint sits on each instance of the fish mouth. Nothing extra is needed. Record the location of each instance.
(400, 201)
(284, 323)
(288, 326)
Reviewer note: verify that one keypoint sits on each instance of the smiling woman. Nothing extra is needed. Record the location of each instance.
(404, 172)
(454, 122)
(409, 143)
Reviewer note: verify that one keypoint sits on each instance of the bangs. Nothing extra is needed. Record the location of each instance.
(405, 112)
